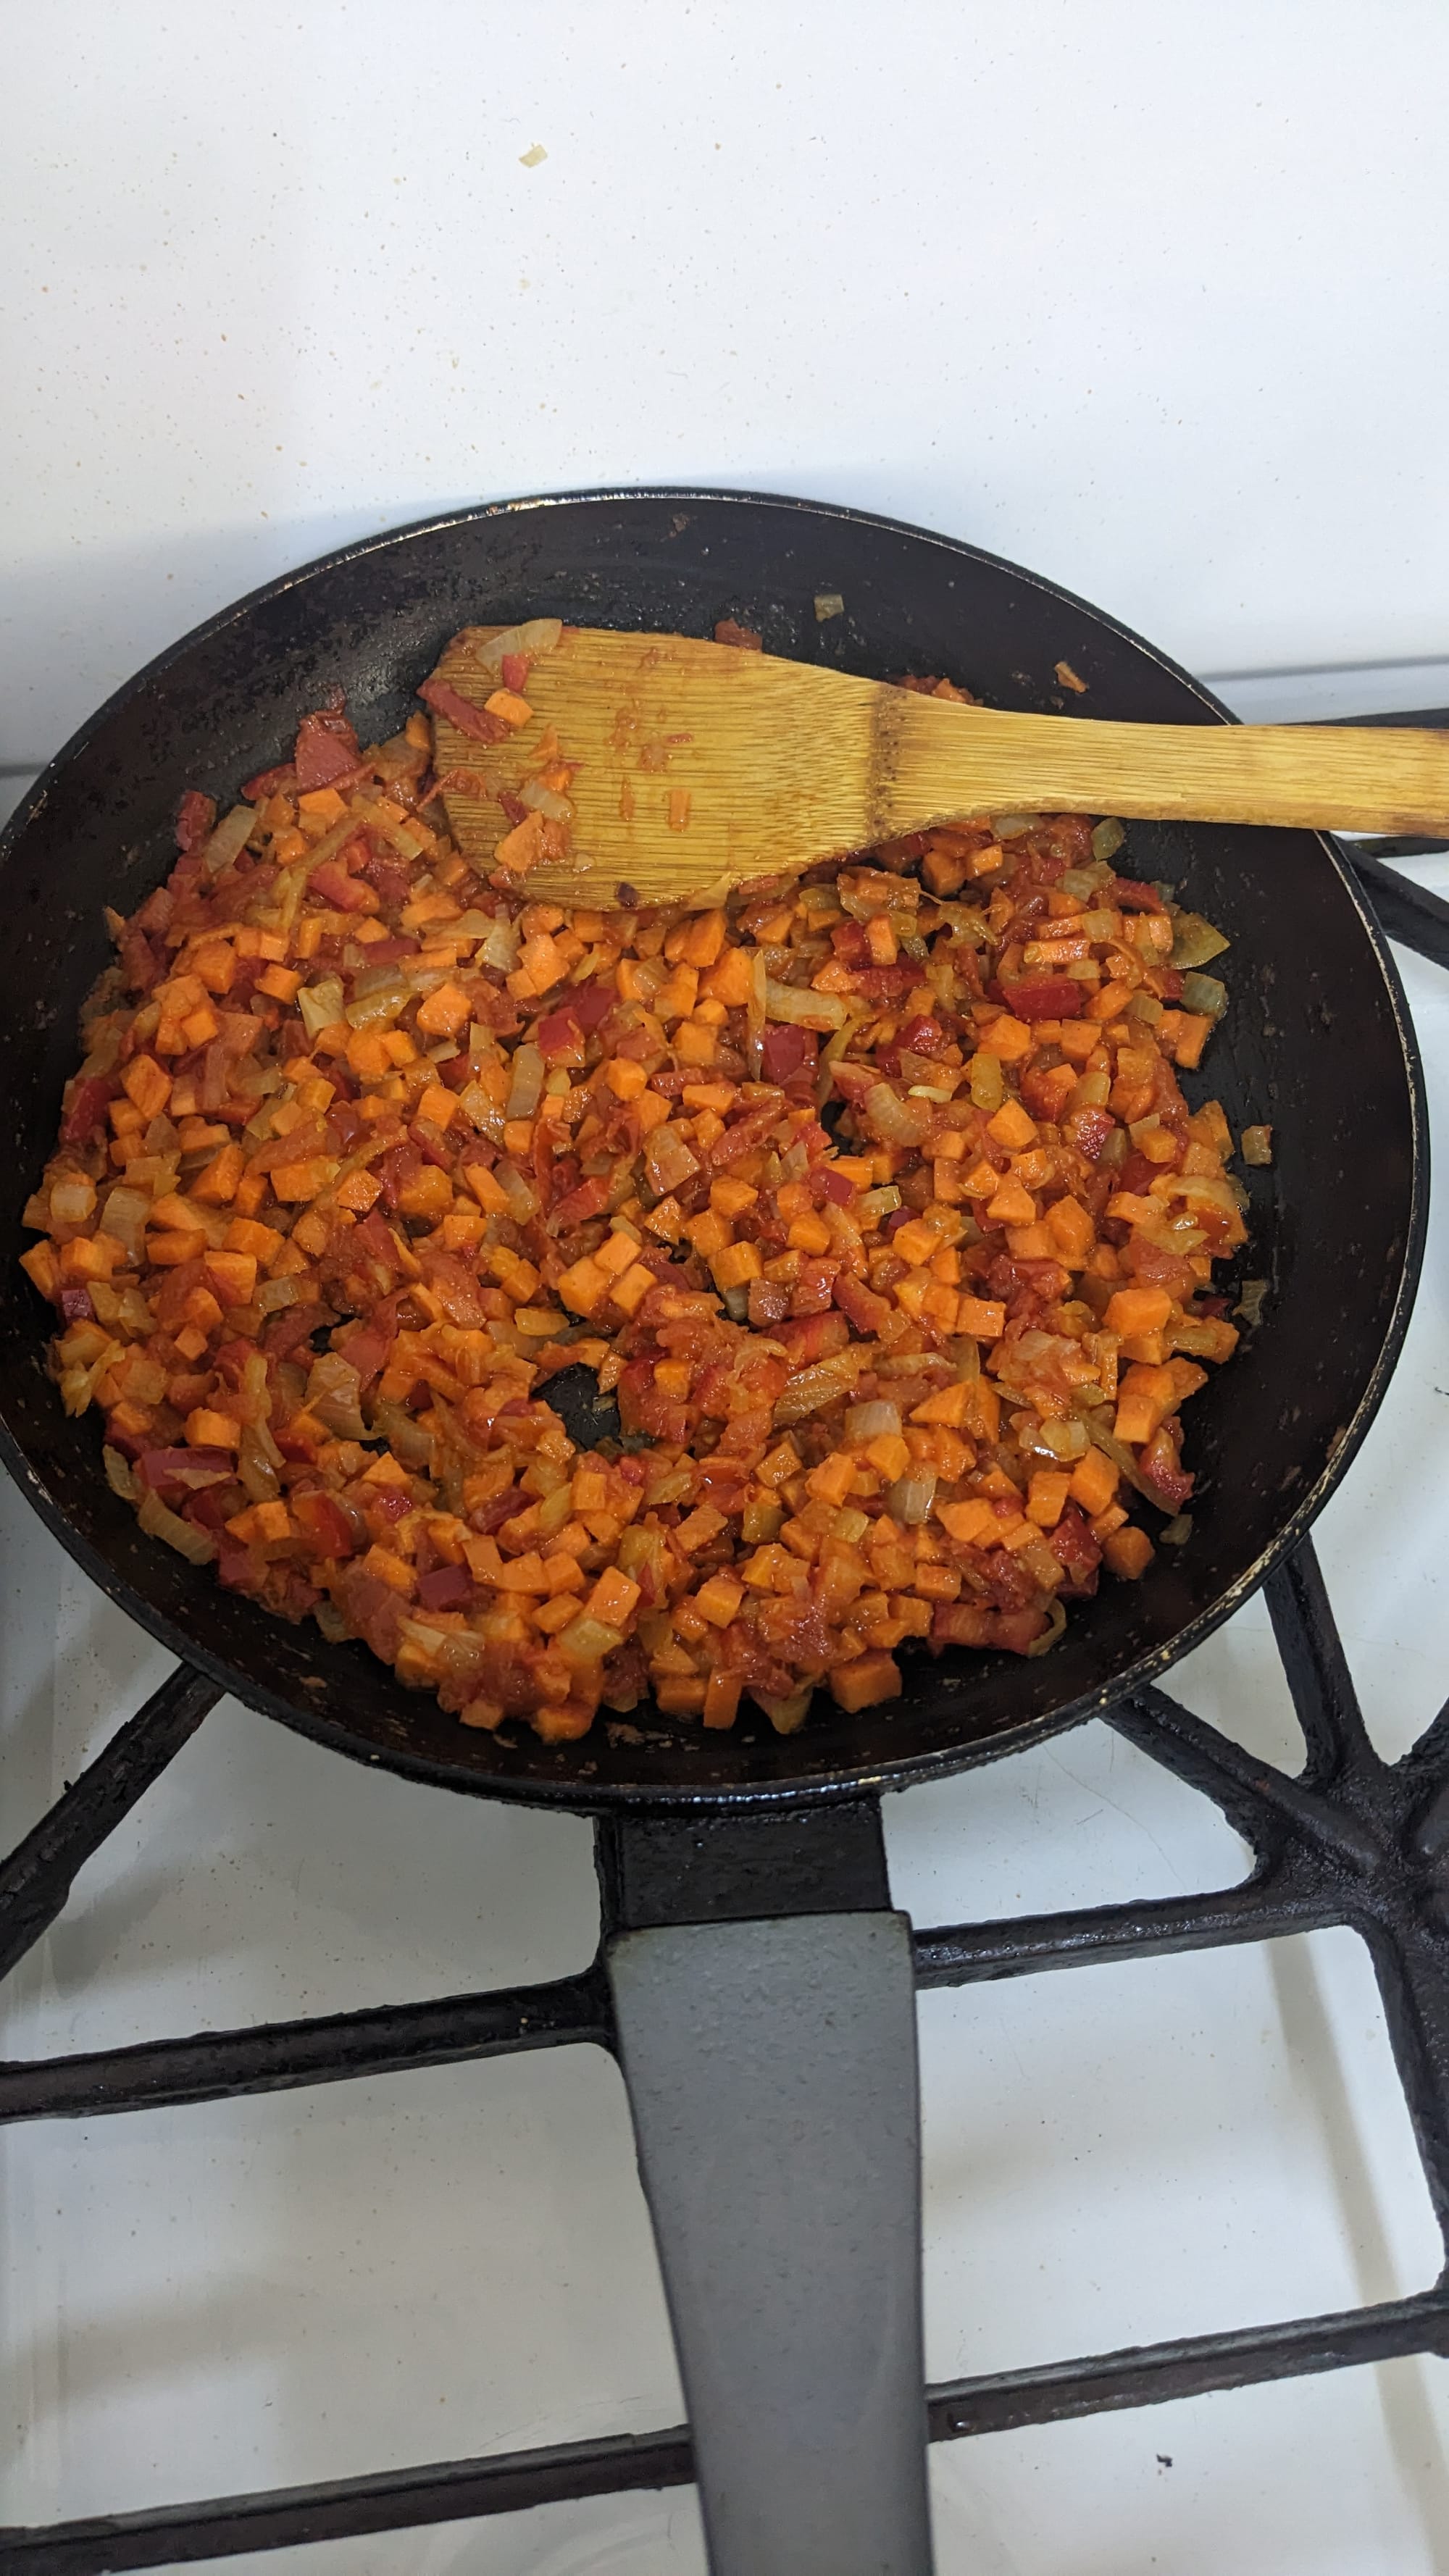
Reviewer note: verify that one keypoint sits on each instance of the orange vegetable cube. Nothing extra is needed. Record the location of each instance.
(143, 1082)
(865, 1681)
(437, 1107)
(367, 1054)
(625, 1077)
(509, 707)
(244, 1234)
(1137, 1310)
(731, 980)
(614, 1599)
(445, 1012)
(217, 1184)
(1046, 1498)
(42, 1266)
(361, 1191)
(709, 1233)
(1012, 1127)
(208, 1430)
(630, 1290)
(282, 982)
(233, 1276)
(1144, 1399)
(984, 1318)
(485, 1189)
(915, 1241)
(1128, 1551)
(213, 964)
(735, 1264)
(972, 1524)
(1093, 1482)
(429, 1196)
(888, 1454)
(584, 1286)
(1011, 1205)
(1008, 1038)
(722, 1698)
(719, 1600)
(1071, 1230)
(948, 1405)
(296, 1182)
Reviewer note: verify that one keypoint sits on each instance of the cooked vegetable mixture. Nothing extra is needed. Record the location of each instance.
(873, 1198)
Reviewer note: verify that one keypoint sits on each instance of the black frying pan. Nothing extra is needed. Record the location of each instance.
(762, 1989)
(1317, 1042)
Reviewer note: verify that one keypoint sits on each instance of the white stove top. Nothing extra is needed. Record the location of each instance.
(439, 2264)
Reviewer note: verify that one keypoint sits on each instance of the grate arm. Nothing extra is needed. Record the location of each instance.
(36, 1879)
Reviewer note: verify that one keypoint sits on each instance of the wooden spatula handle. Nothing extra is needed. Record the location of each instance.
(946, 759)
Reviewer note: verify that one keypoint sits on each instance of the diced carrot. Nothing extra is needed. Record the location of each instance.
(719, 1600)
(625, 1077)
(360, 1191)
(984, 1318)
(1046, 1497)
(208, 1430)
(1012, 1127)
(862, 1683)
(722, 1698)
(233, 1276)
(584, 1286)
(731, 980)
(1128, 1551)
(1071, 1231)
(630, 1291)
(217, 1184)
(1137, 1310)
(1146, 1396)
(42, 1267)
(1011, 1204)
(1093, 1482)
(428, 1197)
(968, 1523)
(305, 1180)
(734, 1264)
(282, 982)
(244, 1234)
(614, 1598)
(143, 1082)
(251, 1193)
(1008, 1038)
(485, 1189)
(833, 1479)
(445, 1012)
(948, 1405)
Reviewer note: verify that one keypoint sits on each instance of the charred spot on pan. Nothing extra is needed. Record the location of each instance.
(627, 897)
(588, 1415)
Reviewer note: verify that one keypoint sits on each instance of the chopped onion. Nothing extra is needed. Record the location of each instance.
(668, 1162)
(274, 1294)
(877, 1204)
(405, 1437)
(333, 1390)
(737, 1304)
(804, 1009)
(1067, 1439)
(871, 1421)
(528, 1073)
(189, 1541)
(1178, 1532)
(545, 800)
(1056, 1622)
(73, 1199)
(321, 1005)
(588, 1641)
(119, 1475)
(124, 1216)
(500, 946)
(910, 1498)
(256, 1468)
(1011, 827)
(374, 1009)
(523, 1200)
(816, 1387)
(536, 635)
(1107, 838)
(899, 1122)
(485, 1112)
(1195, 941)
(1257, 1147)
(1250, 1304)
(230, 837)
(787, 1716)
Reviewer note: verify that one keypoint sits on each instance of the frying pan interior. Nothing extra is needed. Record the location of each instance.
(1316, 1042)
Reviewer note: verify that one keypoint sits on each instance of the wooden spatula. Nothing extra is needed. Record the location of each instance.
(681, 769)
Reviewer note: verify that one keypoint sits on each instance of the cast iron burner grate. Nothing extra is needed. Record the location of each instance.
(1352, 1840)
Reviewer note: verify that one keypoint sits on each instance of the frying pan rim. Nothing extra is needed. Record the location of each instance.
(582, 1795)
